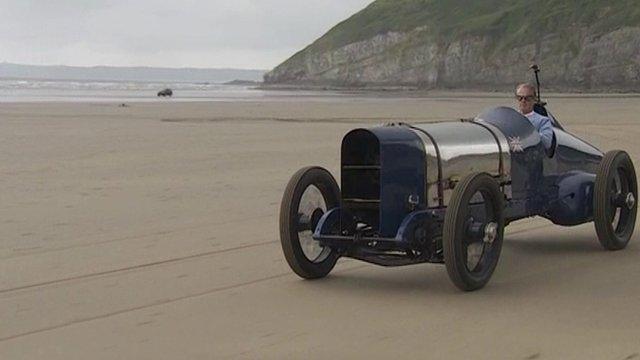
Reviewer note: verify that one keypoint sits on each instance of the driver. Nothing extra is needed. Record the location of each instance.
(526, 98)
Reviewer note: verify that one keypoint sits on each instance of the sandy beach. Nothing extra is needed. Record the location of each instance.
(150, 231)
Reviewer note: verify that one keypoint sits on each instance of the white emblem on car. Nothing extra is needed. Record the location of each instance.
(515, 144)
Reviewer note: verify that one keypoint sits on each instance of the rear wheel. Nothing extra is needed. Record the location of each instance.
(311, 192)
(473, 231)
(614, 200)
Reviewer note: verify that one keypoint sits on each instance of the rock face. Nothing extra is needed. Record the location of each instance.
(584, 59)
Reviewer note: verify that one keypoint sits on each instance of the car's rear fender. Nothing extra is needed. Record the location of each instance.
(574, 204)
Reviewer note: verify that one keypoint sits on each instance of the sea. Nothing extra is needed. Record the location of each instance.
(43, 90)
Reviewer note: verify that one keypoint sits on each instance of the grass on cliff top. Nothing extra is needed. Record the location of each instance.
(507, 22)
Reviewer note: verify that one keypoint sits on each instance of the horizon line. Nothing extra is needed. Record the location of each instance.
(134, 67)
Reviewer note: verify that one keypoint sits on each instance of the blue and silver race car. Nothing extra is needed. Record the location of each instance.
(444, 192)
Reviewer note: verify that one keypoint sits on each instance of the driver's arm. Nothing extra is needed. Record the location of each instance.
(546, 131)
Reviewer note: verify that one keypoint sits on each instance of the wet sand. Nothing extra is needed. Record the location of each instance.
(150, 232)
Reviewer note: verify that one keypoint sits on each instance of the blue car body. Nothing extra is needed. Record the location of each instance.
(394, 194)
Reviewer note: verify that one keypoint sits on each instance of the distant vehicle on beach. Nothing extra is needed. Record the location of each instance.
(165, 92)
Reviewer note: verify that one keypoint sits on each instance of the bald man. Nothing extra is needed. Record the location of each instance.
(526, 98)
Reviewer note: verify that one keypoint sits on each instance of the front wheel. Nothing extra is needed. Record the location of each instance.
(311, 192)
(473, 231)
(614, 200)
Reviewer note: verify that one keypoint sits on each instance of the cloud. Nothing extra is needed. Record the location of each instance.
(214, 33)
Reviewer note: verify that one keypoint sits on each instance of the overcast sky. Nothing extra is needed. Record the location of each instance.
(249, 34)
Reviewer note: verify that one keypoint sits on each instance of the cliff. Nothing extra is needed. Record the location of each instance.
(590, 45)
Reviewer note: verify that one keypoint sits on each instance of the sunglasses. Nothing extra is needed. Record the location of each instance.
(526, 98)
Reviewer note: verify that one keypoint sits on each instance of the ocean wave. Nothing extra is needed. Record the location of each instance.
(26, 84)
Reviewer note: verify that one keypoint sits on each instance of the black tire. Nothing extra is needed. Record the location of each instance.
(460, 218)
(294, 224)
(614, 210)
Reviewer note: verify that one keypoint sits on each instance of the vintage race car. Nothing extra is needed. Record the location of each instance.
(444, 192)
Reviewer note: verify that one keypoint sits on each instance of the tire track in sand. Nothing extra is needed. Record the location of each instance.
(132, 237)
(175, 260)
(177, 298)
(161, 302)
(136, 267)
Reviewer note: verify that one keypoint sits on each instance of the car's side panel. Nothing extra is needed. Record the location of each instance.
(569, 178)
(556, 187)
(457, 149)
(574, 154)
(526, 150)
